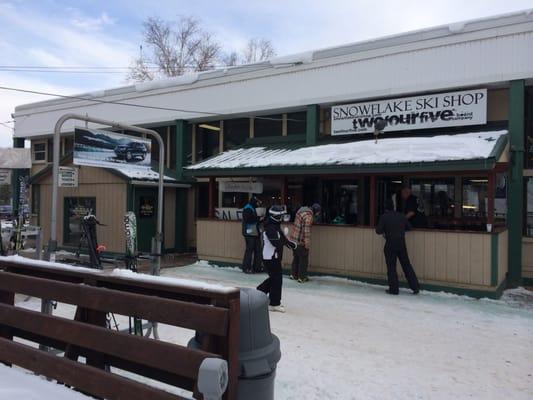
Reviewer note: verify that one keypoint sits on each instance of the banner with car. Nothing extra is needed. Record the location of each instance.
(99, 148)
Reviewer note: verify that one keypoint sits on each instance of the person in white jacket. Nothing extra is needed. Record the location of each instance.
(273, 242)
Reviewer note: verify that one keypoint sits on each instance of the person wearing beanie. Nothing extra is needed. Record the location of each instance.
(250, 231)
(301, 235)
(393, 225)
(273, 242)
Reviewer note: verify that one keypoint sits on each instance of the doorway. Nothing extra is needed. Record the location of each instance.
(146, 213)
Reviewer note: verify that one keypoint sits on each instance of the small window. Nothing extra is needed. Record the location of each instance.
(236, 132)
(39, 151)
(207, 140)
(268, 125)
(296, 123)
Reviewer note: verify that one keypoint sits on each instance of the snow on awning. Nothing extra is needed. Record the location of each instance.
(467, 146)
(140, 173)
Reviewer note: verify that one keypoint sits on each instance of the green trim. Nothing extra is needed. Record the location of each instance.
(438, 166)
(313, 124)
(493, 293)
(180, 226)
(499, 147)
(515, 189)
(494, 259)
(130, 197)
(181, 147)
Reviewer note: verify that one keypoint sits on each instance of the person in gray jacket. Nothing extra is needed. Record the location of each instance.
(393, 226)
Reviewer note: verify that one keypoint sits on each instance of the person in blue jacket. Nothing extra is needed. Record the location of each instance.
(250, 231)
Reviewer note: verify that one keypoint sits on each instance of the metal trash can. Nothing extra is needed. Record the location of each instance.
(259, 350)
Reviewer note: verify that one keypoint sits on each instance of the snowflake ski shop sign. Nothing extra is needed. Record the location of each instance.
(409, 113)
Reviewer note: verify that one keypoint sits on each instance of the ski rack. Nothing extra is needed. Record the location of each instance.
(214, 313)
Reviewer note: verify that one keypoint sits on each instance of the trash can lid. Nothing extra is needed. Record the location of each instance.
(259, 348)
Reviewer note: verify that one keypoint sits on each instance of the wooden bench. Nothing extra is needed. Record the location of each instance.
(210, 310)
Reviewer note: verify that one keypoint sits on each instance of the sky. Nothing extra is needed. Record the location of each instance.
(95, 33)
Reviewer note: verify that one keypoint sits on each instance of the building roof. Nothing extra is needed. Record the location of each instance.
(15, 158)
(482, 148)
(474, 53)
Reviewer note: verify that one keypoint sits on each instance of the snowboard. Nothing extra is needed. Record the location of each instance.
(130, 232)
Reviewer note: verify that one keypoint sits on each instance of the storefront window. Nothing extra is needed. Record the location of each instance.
(268, 125)
(529, 207)
(475, 202)
(234, 200)
(340, 202)
(296, 123)
(207, 140)
(437, 197)
(75, 209)
(236, 132)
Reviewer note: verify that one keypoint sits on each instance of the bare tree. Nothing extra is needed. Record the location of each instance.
(175, 49)
(258, 50)
(184, 46)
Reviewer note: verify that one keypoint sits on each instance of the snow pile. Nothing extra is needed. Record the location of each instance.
(16, 384)
(344, 339)
(186, 79)
(185, 283)
(468, 146)
(133, 172)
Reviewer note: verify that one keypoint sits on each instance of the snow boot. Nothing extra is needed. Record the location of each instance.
(279, 308)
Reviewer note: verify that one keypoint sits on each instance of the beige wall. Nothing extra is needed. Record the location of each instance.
(110, 192)
(527, 258)
(498, 105)
(191, 218)
(462, 259)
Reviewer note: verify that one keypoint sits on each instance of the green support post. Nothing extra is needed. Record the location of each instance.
(515, 201)
(313, 124)
(182, 145)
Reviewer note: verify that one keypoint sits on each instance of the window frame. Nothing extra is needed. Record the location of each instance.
(44, 142)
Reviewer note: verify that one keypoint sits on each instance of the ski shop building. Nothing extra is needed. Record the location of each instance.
(458, 105)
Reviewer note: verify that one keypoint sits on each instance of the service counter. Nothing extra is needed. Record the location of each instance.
(465, 262)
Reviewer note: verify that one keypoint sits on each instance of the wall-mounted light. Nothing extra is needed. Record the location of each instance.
(210, 127)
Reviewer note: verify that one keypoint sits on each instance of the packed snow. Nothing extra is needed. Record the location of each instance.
(468, 146)
(16, 384)
(344, 339)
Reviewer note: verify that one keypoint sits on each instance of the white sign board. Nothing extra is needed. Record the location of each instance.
(68, 177)
(467, 107)
(99, 148)
(5, 177)
(241, 187)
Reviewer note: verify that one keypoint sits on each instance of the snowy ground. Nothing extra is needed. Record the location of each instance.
(348, 340)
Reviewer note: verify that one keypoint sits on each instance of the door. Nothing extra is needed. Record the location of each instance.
(146, 212)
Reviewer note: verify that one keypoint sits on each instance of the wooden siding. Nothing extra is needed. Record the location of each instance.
(460, 258)
(527, 258)
(110, 192)
(169, 216)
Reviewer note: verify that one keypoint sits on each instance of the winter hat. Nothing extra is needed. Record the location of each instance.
(316, 208)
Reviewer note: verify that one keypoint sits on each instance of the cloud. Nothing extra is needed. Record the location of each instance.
(92, 24)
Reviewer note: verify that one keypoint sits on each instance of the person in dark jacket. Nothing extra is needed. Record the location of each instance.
(393, 226)
(273, 241)
(413, 209)
(250, 230)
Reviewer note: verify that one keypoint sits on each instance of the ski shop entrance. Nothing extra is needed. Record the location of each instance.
(146, 212)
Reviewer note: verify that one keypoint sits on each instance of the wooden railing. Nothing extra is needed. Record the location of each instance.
(212, 312)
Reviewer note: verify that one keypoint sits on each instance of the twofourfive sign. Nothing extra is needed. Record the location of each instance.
(418, 112)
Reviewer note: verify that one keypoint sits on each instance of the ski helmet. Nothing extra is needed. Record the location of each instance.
(276, 213)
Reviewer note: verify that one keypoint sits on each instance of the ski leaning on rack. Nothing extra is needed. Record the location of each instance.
(130, 232)
(22, 212)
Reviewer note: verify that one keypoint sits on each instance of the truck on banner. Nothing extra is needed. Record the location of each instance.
(440, 110)
(99, 148)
